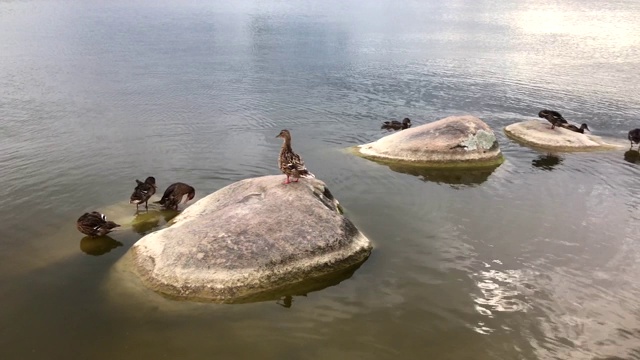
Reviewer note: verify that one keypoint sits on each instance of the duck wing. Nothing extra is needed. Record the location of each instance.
(294, 162)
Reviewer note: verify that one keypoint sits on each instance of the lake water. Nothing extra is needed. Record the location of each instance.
(538, 259)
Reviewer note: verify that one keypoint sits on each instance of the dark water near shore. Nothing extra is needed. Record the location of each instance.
(538, 259)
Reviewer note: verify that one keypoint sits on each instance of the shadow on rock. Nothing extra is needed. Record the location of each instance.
(456, 178)
(97, 246)
(147, 221)
(546, 162)
(632, 156)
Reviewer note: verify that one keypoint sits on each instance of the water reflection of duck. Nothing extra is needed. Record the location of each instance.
(147, 221)
(95, 224)
(580, 129)
(396, 125)
(553, 117)
(632, 156)
(634, 137)
(97, 246)
(546, 162)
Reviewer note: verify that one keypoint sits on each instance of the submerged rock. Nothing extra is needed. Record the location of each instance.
(539, 134)
(251, 237)
(455, 141)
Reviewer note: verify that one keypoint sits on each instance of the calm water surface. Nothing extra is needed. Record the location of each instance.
(538, 259)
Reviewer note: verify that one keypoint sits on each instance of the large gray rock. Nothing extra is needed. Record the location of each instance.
(251, 237)
(539, 134)
(452, 141)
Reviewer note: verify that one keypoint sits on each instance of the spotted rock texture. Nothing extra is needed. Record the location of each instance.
(250, 237)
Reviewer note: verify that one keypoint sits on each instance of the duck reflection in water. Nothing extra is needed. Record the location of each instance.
(546, 162)
(287, 301)
(145, 222)
(97, 246)
(632, 156)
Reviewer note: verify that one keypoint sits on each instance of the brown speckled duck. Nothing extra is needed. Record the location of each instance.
(95, 224)
(143, 191)
(396, 125)
(553, 117)
(174, 194)
(634, 137)
(290, 163)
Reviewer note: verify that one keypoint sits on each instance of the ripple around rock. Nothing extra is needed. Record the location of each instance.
(455, 141)
(539, 134)
(252, 237)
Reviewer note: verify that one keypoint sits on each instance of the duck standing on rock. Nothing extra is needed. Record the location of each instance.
(580, 129)
(143, 191)
(290, 163)
(634, 137)
(174, 194)
(95, 224)
(396, 125)
(553, 117)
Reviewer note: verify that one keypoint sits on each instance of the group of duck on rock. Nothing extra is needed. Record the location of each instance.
(556, 119)
(96, 224)
(291, 164)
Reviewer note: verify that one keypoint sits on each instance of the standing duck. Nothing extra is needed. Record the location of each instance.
(396, 125)
(553, 117)
(290, 163)
(580, 129)
(95, 224)
(174, 194)
(143, 191)
(634, 137)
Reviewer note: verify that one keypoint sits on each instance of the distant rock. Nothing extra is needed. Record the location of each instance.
(251, 237)
(455, 141)
(539, 134)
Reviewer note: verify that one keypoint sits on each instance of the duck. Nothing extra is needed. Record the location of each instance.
(634, 137)
(174, 195)
(143, 191)
(95, 224)
(396, 125)
(580, 129)
(553, 117)
(290, 163)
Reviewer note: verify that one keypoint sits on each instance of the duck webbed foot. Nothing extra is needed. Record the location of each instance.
(287, 181)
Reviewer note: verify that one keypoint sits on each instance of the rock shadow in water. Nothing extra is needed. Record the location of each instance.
(456, 178)
(632, 156)
(285, 297)
(546, 162)
(97, 246)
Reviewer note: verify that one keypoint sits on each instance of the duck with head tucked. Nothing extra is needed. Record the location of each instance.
(396, 125)
(95, 224)
(634, 137)
(174, 194)
(553, 117)
(290, 163)
(143, 191)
